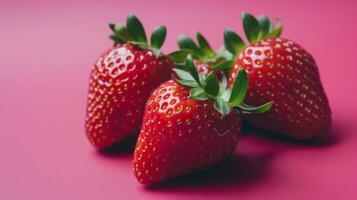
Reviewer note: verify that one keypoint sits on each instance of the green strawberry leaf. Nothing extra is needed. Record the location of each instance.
(211, 85)
(204, 46)
(187, 83)
(183, 75)
(239, 89)
(232, 42)
(140, 44)
(120, 34)
(180, 55)
(112, 27)
(250, 26)
(117, 39)
(198, 93)
(190, 67)
(122, 31)
(225, 65)
(265, 26)
(221, 106)
(276, 32)
(224, 54)
(255, 109)
(158, 37)
(136, 29)
(186, 42)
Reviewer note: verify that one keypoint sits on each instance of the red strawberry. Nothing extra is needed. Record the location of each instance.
(121, 81)
(283, 72)
(183, 130)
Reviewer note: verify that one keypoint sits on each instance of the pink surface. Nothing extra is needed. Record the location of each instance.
(48, 48)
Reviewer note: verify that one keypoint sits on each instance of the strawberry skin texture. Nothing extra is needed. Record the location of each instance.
(120, 83)
(181, 135)
(283, 72)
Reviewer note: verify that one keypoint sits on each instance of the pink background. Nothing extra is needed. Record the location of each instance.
(47, 50)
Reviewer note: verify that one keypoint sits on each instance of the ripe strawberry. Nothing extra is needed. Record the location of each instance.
(283, 72)
(121, 81)
(183, 131)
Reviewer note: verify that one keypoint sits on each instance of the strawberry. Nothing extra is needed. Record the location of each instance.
(281, 71)
(188, 125)
(121, 82)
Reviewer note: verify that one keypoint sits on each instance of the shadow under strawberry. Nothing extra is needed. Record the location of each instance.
(333, 137)
(123, 148)
(235, 172)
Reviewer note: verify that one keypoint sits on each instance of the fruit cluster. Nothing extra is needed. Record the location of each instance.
(188, 104)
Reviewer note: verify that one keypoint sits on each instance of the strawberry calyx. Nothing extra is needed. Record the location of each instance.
(202, 51)
(255, 30)
(134, 33)
(208, 87)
